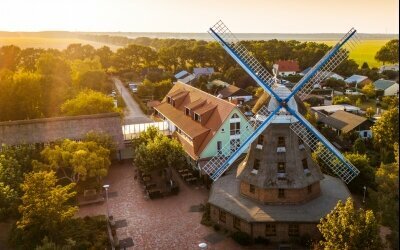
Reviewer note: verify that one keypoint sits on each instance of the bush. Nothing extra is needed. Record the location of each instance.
(216, 227)
(242, 238)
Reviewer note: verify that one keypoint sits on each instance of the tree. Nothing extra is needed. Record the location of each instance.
(335, 83)
(154, 151)
(365, 65)
(8, 202)
(385, 131)
(78, 51)
(340, 99)
(11, 173)
(349, 229)
(89, 102)
(370, 112)
(102, 139)
(359, 146)
(76, 161)
(347, 68)
(368, 90)
(389, 52)
(366, 177)
(9, 56)
(45, 205)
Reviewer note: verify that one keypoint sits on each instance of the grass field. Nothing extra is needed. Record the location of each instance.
(365, 51)
(54, 43)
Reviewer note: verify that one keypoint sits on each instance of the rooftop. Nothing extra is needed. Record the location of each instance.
(232, 90)
(288, 65)
(203, 71)
(333, 108)
(225, 193)
(181, 74)
(383, 84)
(344, 121)
(355, 79)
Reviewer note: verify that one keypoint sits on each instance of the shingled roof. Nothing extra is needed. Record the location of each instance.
(288, 66)
(344, 121)
(232, 90)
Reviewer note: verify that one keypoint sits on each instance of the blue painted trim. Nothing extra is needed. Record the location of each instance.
(319, 65)
(245, 144)
(320, 137)
(245, 66)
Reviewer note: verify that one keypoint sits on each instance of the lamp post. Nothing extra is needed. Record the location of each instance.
(106, 187)
(203, 246)
(365, 189)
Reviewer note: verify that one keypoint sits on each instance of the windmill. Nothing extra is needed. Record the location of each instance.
(282, 109)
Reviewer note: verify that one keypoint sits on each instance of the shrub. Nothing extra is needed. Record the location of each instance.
(242, 238)
(216, 227)
(206, 219)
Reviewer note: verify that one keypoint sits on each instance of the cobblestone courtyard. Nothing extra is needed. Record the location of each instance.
(167, 223)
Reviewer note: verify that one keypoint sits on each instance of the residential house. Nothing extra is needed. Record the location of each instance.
(201, 122)
(218, 83)
(150, 106)
(357, 81)
(329, 74)
(394, 67)
(184, 77)
(197, 72)
(344, 122)
(235, 95)
(287, 67)
(388, 87)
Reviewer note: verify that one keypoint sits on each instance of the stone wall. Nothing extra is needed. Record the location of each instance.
(270, 196)
(258, 229)
(52, 129)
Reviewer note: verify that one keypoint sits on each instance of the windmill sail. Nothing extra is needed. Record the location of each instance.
(326, 65)
(324, 149)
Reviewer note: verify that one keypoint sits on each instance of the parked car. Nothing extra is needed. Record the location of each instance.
(133, 87)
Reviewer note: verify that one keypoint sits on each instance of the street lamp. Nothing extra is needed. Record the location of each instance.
(203, 246)
(106, 187)
(365, 189)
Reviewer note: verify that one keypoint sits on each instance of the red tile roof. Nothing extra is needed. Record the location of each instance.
(288, 65)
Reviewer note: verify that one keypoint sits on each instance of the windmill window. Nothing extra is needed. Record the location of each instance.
(270, 229)
(197, 117)
(256, 164)
(281, 141)
(281, 193)
(222, 216)
(305, 164)
(281, 167)
(252, 189)
(309, 189)
(293, 229)
(236, 223)
(260, 140)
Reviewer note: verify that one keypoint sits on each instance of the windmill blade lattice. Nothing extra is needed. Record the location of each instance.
(325, 150)
(327, 64)
(242, 56)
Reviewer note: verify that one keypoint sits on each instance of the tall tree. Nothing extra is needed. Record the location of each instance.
(45, 205)
(389, 52)
(346, 228)
(89, 102)
(385, 131)
(76, 161)
(9, 56)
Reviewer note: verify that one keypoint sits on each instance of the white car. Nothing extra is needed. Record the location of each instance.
(133, 87)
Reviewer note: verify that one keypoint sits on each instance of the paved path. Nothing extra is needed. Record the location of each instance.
(132, 113)
(165, 223)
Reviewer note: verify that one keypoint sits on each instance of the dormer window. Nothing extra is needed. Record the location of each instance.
(256, 166)
(173, 103)
(197, 117)
(169, 99)
(187, 111)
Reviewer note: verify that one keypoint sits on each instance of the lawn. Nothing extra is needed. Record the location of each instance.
(365, 51)
(48, 42)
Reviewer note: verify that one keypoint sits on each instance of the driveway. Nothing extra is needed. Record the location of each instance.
(171, 222)
(132, 113)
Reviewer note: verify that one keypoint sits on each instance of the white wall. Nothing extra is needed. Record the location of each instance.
(392, 90)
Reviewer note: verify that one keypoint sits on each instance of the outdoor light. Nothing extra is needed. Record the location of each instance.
(106, 187)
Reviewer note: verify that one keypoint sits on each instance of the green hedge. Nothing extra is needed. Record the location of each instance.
(139, 101)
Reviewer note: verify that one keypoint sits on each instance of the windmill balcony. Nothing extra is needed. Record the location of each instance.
(254, 171)
(259, 146)
(281, 149)
(307, 172)
(301, 146)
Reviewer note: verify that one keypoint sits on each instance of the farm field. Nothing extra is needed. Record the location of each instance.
(48, 42)
(364, 52)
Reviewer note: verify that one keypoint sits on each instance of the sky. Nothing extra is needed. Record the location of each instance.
(241, 16)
